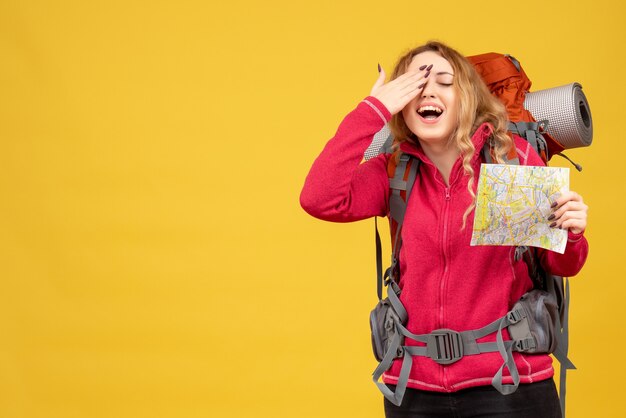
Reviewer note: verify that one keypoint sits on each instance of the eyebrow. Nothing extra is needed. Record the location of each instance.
(444, 72)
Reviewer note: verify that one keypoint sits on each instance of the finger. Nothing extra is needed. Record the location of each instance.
(398, 84)
(411, 80)
(408, 77)
(570, 215)
(577, 220)
(568, 201)
(567, 196)
(411, 83)
(571, 206)
(399, 92)
(380, 81)
(396, 93)
(576, 226)
(415, 90)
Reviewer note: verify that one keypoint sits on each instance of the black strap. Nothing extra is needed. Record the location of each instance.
(379, 262)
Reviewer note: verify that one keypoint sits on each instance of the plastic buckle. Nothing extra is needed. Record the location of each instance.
(444, 346)
(525, 344)
(515, 316)
(543, 125)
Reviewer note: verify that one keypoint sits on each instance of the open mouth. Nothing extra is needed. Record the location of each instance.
(429, 112)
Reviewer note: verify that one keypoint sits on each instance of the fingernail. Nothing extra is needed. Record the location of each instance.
(422, 67)
(421, 85)
(553, 224)
(427, 74)
(429, 67)
(379, 68)
(554, 205)
(551, 217)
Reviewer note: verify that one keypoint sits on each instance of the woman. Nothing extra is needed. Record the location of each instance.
(440, 112)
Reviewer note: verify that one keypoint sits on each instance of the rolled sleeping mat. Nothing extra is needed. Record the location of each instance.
(567, 112)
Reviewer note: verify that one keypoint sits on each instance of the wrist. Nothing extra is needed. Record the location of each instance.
(378, 106)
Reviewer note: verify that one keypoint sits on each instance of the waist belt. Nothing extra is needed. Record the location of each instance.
(446, 346)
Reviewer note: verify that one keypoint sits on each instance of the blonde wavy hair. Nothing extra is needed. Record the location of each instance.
(476, 106)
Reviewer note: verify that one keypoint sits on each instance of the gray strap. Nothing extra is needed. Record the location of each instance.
(416, 350)
(506, 351)
(487, 157)
(415, 337)
(409, 188)
(396, 184)
(397, 209)
(531, 132)
(517, 127)
(542, 126)
(471, 349)
(531, 137)
(479, 348)
(470, 346)
(407, 362)
(527, 130)
(385, 363)
(397, 306)
(562, 331)
(397, 206)
(510, 318)
(514, 61)
(470, 337)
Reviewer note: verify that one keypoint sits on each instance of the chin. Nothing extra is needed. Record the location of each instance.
(431, 135)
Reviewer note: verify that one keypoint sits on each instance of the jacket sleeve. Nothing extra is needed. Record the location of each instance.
(339, 186)
(572, 260)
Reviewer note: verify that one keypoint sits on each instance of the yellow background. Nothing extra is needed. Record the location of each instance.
(154, 259)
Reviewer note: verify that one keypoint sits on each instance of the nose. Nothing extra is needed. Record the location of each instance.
(429, 89)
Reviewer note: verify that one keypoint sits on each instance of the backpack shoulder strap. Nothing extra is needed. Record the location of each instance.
(489, 156)
(402, 170)
(533, 132)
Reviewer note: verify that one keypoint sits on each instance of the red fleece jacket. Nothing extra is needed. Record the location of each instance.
(446, 283)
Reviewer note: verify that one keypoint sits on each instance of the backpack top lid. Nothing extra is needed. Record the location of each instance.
(507, 80)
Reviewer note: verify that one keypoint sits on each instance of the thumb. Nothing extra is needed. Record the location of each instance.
(380, 81)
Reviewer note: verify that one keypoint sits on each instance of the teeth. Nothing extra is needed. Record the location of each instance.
(433, 108)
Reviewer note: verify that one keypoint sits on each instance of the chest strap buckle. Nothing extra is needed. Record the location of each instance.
(444, 346)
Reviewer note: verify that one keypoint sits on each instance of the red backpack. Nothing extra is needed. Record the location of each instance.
(506, 79)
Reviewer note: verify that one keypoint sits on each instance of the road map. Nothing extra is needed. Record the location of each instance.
(513, 206)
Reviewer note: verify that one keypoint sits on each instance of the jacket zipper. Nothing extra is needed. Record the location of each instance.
(444, 252)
